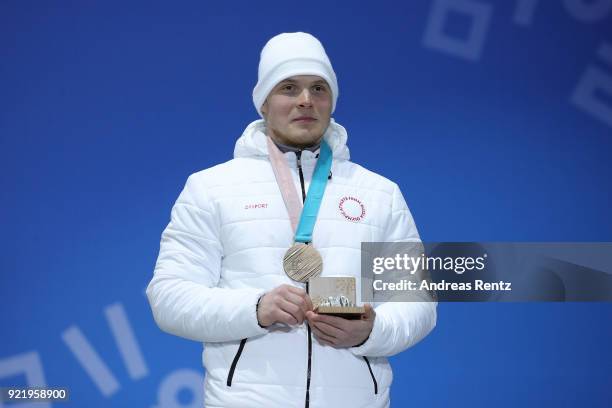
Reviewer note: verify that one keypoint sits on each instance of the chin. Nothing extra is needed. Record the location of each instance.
(305, 141)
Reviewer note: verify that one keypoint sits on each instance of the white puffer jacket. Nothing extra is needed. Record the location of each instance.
(223, 249)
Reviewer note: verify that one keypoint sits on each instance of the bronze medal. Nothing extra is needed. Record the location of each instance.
(302, 262)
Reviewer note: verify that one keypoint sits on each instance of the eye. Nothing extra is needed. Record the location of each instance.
(319, 88)
(287, 87)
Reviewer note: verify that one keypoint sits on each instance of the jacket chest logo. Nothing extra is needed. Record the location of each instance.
(254, 206)
(352, 208)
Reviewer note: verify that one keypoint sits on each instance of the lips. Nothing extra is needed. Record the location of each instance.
(304, 119)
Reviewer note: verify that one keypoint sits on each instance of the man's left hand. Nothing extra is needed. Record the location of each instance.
(338, 332)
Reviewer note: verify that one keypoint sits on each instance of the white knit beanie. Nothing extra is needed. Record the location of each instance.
(289, 54)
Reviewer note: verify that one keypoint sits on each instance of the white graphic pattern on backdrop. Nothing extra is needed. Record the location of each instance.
(594, 83)
(588, 94)
(469, 48)
(29, 365)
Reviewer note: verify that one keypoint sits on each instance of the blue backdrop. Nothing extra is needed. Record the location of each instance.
(494, 117)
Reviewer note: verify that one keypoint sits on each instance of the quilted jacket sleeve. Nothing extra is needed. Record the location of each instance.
(399, 325)
(183, 293)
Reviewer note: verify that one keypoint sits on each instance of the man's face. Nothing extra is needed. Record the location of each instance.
(298, 110)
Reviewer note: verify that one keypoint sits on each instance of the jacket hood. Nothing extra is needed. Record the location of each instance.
(252, 143)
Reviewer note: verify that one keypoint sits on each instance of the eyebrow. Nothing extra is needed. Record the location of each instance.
(293, 81)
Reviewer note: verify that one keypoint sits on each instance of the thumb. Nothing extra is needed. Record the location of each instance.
(369, 312)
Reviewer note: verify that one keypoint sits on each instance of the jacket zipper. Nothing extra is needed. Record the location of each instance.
(372, 374)
(298, 156)
(230, 376)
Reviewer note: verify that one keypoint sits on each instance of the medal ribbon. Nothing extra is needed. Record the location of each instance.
(308, 216)
(285, 183)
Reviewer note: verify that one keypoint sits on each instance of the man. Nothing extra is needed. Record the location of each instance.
(219, 278)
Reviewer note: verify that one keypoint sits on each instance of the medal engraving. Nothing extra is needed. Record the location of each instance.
(302, 262)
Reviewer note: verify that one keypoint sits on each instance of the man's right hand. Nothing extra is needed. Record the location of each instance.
(284, 304)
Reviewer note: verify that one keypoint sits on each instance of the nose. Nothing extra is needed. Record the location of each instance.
(304, 99)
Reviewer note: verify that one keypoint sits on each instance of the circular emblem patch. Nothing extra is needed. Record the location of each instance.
(351, 208)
